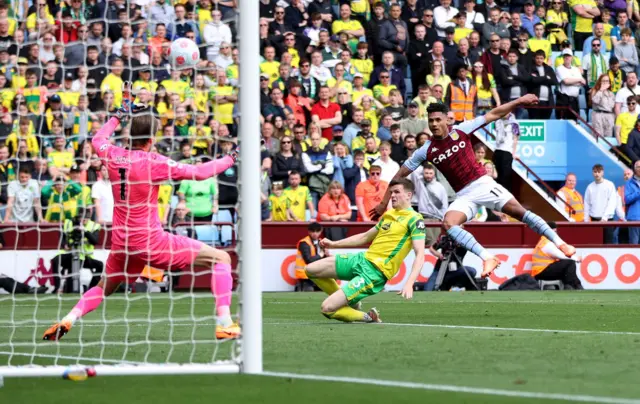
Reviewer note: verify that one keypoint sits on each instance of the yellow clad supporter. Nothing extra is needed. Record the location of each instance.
(113, 83)
(175, 85)
(223, 98)
(270, 66)
(299, 198)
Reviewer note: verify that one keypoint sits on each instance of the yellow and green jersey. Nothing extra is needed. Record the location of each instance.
(182, 88)
(298, 199)
(278, 206)
(380, 90)
(60, 159)
(396, 230)
(222, 112)
(164, 199)
(61, 205)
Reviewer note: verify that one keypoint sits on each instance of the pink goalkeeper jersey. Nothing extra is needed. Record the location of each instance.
(136, 177)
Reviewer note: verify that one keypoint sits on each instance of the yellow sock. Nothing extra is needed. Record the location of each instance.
(328, 285)
(346, 314)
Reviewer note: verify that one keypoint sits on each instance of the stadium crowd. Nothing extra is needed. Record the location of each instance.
(344, 91)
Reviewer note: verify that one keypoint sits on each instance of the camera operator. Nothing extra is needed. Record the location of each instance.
(446, 250)
(80, 235)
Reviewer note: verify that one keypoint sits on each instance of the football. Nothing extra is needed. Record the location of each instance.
(184, 54)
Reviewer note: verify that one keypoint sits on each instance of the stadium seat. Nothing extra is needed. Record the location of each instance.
(208, 234)
(551, 285)
(226, 232)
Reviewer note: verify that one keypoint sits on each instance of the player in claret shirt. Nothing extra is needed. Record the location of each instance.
(451, 151)
(138, 238)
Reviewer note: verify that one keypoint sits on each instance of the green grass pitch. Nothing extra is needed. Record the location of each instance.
(579, 344)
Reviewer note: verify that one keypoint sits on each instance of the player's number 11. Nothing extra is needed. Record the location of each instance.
(123, 184)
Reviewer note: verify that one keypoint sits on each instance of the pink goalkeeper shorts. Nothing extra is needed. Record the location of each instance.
(164, 251)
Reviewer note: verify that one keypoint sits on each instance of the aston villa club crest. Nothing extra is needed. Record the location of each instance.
(454, 135)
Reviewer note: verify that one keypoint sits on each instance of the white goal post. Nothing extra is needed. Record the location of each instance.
(246, 353)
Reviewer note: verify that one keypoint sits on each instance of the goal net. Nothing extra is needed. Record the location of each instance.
(65, 68)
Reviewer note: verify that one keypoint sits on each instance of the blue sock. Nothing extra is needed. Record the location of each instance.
(466, 240)
(537, 224)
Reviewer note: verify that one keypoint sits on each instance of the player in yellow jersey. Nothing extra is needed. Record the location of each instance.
(398, 231)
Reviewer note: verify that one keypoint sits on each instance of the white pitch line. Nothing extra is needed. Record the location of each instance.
(49, 356)
(459, 389)
(470, 327)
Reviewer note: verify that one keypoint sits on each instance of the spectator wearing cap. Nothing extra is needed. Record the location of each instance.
(358, 143)
(570, 80)
(626, 52)
(331, 53)
(529, 17)
(413, 124)
(630, 88)
(585, 11)
(575, 60)
(494, 26)
(67, 95)
(359, 90)
(394, 37)
(450, 47)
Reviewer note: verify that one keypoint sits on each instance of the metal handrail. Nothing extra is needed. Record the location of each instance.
(599, 136)
(530, 171)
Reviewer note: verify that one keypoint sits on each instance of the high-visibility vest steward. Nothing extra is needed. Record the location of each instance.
(574, 199)
(540, 259)
(300, 264)
(462, 105)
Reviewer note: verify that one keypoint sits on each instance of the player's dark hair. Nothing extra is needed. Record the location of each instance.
(598, 168)
(314, 226)
(437, 107)
(143, 129)
(405, 182)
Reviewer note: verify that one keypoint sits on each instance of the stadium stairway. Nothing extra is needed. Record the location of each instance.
(548, 150)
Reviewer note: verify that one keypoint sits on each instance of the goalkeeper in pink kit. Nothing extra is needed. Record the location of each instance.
(137, 238)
